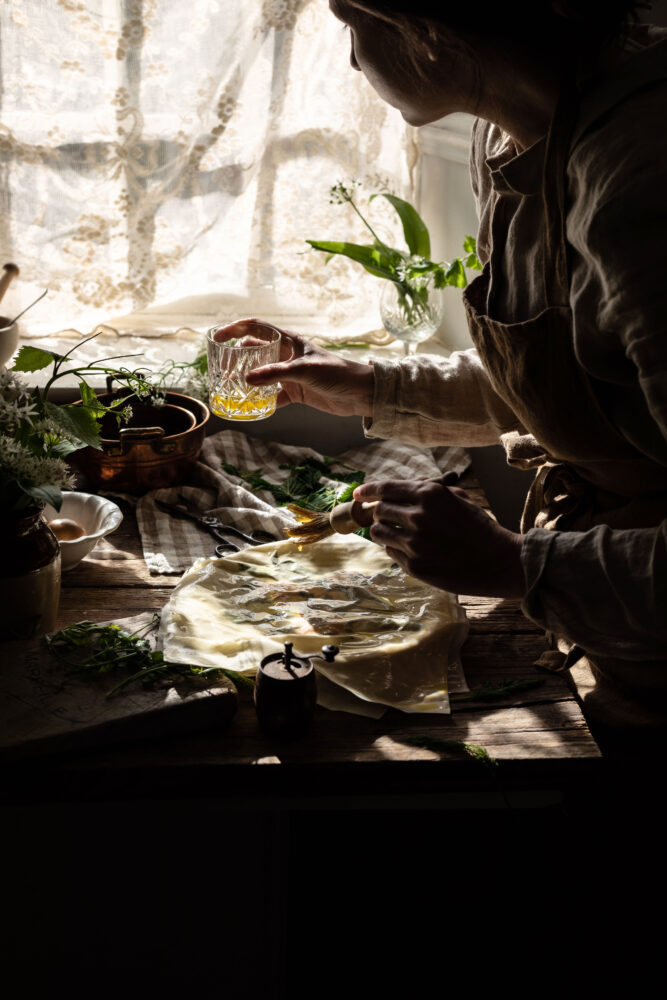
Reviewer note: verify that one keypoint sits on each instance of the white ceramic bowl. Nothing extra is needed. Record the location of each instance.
(96, 515)
(9, 338)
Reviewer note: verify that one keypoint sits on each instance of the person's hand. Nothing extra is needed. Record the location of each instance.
(309, 374)
(439, 535)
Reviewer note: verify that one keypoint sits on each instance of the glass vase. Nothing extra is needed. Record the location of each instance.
(413, 313)
(29, 575)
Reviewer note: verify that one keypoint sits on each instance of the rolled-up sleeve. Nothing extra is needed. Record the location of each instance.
(428, 400)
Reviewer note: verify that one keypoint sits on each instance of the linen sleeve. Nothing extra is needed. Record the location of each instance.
(426, 400)
(606, 589)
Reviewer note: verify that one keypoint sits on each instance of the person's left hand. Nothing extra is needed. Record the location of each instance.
(437, 534)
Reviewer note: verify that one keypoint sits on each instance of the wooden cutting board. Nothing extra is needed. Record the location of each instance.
(43, 709)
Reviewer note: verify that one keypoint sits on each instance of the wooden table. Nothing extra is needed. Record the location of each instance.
(539, 737)
(354, 808)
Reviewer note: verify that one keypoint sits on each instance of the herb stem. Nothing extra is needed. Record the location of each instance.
(368, 226)
(135, 375)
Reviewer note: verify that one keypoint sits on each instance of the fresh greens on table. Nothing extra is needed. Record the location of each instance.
(496, 692)
(412, 271)
(94, 651)
(458, 747)
(304, 483)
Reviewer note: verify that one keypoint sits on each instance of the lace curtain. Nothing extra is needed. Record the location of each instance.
(163, 163)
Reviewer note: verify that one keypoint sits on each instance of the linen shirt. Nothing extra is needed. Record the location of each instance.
(604, 589)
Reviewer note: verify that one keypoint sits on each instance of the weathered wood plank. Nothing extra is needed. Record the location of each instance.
(121, 572)
(544, 731)
(78, 603)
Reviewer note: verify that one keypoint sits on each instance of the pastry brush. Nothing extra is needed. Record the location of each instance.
(343, 519)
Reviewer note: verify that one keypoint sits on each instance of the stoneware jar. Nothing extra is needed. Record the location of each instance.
(29, 575)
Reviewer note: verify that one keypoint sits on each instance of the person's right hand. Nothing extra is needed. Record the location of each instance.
(309, 374)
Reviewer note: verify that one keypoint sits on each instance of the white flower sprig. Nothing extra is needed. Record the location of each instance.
(16, 404)
(32, 447)
(20, 462)
(36, 435)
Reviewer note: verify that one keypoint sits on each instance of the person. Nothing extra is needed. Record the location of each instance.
(569, 369)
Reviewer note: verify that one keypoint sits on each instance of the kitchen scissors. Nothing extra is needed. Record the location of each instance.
(214, 526)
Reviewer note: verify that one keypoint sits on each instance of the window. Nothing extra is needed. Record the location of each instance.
(162, 164)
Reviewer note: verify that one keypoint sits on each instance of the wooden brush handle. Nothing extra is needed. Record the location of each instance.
(10, 272)
(348, 517)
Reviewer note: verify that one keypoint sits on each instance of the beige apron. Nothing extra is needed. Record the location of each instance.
(587, 472)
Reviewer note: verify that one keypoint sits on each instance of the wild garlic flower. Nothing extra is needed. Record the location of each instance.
(341, 193)
(16, 403)
(46, 428)
(19, 463)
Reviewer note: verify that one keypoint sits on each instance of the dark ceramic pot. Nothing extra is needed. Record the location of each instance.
(29, 575)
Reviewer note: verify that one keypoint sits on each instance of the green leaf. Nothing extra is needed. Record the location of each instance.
(348, 345)
(457, 747)
(200, 363)
(375, 260)
(48, 493)
(472, 260)
(416, 268)
(303, 485)
(497, 692)
(64, 448)
(89, 398)
(241, 680)
(77, 421)
(414, 228)
(455, 275)
(439, 278)
(33, 359)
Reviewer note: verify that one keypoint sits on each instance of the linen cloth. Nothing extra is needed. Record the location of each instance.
(602, 588)
(170, 544)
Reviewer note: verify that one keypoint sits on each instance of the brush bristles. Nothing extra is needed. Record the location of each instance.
(312, 527)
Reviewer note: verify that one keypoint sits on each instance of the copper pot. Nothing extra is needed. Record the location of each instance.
(157, 448)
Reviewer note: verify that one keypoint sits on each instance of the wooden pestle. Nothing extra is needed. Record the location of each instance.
(10, 272)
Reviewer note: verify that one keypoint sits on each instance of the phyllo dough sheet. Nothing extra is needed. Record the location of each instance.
(396, 635)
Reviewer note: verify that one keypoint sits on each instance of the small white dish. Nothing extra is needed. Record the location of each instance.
(96, 515)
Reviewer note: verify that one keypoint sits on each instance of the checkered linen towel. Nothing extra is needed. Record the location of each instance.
(171, 544)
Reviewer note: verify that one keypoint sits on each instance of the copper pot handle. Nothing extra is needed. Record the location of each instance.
(129, 436)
